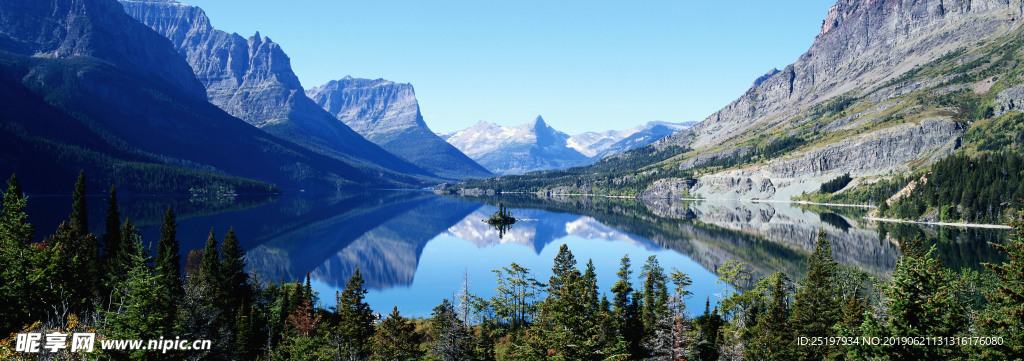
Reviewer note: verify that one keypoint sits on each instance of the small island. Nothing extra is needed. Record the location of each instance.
(501, 217)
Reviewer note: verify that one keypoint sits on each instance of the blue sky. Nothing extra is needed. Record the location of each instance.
(594, 65)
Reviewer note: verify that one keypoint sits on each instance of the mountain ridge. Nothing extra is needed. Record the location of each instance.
(388, 114)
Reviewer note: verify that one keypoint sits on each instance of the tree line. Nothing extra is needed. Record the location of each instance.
(114, 285)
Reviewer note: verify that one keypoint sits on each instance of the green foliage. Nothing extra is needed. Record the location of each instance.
(817, 302)
(1004, 316)
(396, 339)
(981, 189)
(836, 184)
(168, 261)
(450, 339)
(79, 216)
(515, 302)
(355, 318)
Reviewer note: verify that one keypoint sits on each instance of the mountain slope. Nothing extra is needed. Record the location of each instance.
(388, 114)
(86, 86)
(513, 150)
(888, 87)
(252, 79)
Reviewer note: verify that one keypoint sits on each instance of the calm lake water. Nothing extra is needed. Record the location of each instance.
(415, 248)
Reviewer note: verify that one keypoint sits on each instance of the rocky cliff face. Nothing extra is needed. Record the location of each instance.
(852, 74)
(862, 44)
(516, 150)
(388, 114)
(251, 78)
(65, 29)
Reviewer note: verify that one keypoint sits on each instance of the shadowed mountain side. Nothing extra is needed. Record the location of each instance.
(382, 236)
(252, 79)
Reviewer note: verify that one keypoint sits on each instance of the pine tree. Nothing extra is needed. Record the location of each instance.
(168, 260)
(112, 231)
(771, 337)
(655, 297)
(566, 328)
(209, 266)
(450, 340)
(234, 281)
(1005, 314)
(137, 308)
(922, 299)
(355, 319)
(79, 215)
(15, 235)
(817, 303)
(626, 311)
(396, 339)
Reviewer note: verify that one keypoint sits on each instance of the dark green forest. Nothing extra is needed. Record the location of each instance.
(116, 286)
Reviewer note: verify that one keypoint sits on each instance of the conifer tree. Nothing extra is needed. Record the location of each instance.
(138, 311)
(626, 310)
(771, 337)
(922, 299)
(209, 266)
(168, 259)
(655, 296)
(817, 302)
(234, 281)
(396, 339)
(355, 318)
(79, 215)
(1005, 315)
(15, 235)
(112, 230)
(450, 340)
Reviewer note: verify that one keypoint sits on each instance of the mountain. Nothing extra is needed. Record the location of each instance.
(515, 150)
(252, 79)
(85, 86)
(600, 145)
(387, 113)
(887, 89)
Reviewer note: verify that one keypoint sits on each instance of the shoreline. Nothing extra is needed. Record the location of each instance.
(950, 224)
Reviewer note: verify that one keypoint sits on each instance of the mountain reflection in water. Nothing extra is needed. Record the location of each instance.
(413, 247)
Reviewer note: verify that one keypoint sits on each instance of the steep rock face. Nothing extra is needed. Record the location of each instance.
(890, 149)
(515, 150)
(252, 79)
(862, 44)
(388, 114)
(65, 29)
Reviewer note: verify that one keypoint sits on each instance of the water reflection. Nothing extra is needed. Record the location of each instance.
(413, 247)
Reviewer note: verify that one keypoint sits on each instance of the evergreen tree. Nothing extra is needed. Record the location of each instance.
(708, 326)
(655, 297)
(15, 235)
(112, 231)
(209, 266)
(168, 260)
(77, 265)
(626, 311)
(396, 339)
(450, 340)
(234, 281)
(566, 328)
(355, 319)
(515, 302)
(79, 215)
(922, 299)
(1005, 314)
(138, 311)
(817, 302)
(771, 337)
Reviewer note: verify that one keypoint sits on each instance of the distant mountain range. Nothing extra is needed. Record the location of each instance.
(538, 146)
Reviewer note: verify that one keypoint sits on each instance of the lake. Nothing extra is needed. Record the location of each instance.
(415, 248)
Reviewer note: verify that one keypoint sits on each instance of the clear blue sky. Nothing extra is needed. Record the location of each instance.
(593, 65)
